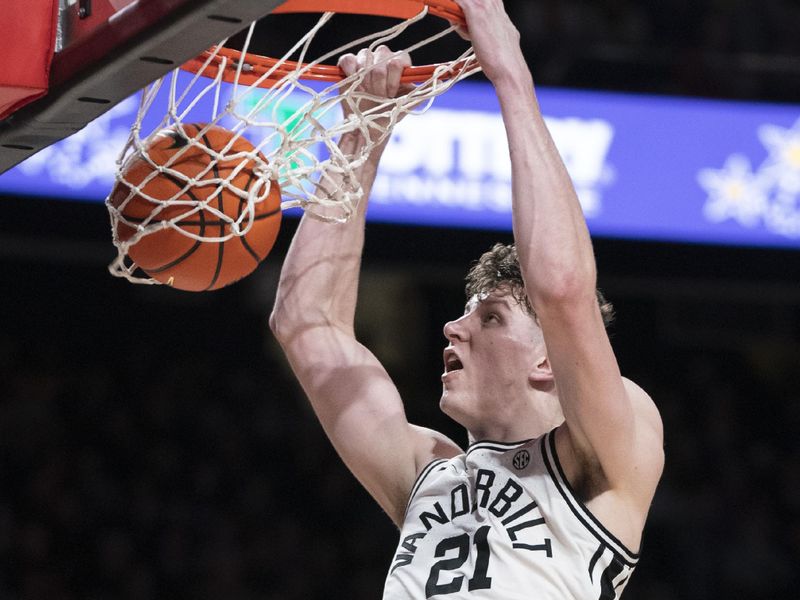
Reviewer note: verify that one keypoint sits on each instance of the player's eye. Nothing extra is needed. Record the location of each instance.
(490, 317)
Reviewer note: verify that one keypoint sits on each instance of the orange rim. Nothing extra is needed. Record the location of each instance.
(257, 66)
(399, 9)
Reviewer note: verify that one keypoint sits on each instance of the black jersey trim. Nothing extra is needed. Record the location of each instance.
(496, 446)
(578, 508)
(600, 550)
(427, 470)
(622, 581)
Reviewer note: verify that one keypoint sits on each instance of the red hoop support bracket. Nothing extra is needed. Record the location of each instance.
(258, 66)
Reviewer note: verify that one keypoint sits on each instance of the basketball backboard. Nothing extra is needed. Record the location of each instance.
(106, 50)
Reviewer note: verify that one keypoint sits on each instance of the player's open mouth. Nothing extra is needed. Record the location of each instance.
(451, 361)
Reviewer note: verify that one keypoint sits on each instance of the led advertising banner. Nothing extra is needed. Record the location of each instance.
(645, 167)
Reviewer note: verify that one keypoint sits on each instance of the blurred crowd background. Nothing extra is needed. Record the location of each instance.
(153, 443)
(725, 48)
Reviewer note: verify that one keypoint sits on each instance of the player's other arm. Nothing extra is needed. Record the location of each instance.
(354, 398)
(609, 420)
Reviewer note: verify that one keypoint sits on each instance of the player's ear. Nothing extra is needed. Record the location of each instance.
(540, 375)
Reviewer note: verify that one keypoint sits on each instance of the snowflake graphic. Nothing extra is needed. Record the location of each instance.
(767, 196)
(784, 154)
(734, 192)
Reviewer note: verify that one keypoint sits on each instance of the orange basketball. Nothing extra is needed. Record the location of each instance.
(181, 261)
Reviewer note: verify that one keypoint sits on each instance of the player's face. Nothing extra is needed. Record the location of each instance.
(493, 348)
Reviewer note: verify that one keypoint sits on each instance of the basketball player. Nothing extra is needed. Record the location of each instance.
(550, 499)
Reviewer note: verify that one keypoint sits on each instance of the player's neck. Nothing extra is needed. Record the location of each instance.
(540, 415)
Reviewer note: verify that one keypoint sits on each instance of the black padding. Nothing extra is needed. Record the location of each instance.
(121, 59)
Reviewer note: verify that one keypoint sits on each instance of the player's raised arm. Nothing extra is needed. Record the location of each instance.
(611, 423)
(353, 396)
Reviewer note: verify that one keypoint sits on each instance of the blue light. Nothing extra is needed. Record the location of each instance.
(645, 167)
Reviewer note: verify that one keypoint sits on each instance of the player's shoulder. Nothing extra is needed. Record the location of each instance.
(643, 406)
(431, 445)
(428, 448)
(649, 453)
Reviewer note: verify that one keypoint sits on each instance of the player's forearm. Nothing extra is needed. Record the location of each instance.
(319, 278)
(552, 239)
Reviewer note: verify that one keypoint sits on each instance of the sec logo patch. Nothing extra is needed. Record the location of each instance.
(521, 460)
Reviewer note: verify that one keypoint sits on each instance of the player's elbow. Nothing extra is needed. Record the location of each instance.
(282, 324)
(275, 323)
(563, 288)
(288, 325)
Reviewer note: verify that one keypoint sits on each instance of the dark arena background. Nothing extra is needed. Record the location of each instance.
(153, 443)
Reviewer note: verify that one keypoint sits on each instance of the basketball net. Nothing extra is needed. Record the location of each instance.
(293, 123)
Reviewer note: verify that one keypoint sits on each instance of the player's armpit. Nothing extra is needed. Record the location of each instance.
(619, 502)
(431, 445)
(610, 420)
(643, 465)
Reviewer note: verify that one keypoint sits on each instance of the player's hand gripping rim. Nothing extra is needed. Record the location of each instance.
(381, 82)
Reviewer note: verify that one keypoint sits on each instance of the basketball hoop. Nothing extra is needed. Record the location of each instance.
(276, 69)
(289, 108)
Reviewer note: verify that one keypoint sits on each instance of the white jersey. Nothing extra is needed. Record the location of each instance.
(502, 522)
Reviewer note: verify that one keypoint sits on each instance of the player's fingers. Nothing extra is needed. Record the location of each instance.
(394, 71)
(405, 89)
(383, 53)
(463, 31)
(378, 75)
(364, 59)
(348, 63)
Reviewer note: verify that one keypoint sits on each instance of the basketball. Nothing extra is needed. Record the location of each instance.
(170, 256)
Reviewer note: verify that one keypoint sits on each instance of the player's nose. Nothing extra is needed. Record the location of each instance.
(456, 329)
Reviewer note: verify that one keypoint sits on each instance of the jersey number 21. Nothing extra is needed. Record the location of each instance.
(479, 579)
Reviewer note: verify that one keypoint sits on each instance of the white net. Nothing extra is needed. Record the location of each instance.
(285, 133)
